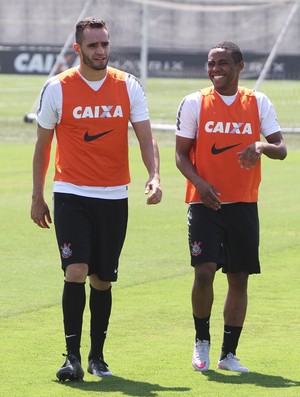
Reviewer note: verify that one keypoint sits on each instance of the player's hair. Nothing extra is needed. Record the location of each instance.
(88, 22)
(235, 50)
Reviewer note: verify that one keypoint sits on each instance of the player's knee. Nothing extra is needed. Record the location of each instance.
(205, 274)
(238, 281)
(76, 272)
(99, 284)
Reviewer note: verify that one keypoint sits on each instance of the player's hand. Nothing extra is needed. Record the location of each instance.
(209, 195)
(154, 187)
(40, 213)
(249, 156)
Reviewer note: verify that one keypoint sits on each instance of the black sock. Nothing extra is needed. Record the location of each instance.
(230, 340)
(100, 307)
(73, 303)
(202, 328)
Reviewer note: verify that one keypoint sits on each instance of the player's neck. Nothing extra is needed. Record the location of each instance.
(92, 74)
(227, 92)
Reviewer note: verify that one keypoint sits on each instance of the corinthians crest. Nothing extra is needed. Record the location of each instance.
(66, 251)
(196, 249)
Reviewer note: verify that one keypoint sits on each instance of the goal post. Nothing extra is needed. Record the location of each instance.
(276, 46)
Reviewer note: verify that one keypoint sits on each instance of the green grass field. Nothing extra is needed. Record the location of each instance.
(150, 338)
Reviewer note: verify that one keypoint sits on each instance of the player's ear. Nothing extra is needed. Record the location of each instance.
(76, 48)
(241, 65)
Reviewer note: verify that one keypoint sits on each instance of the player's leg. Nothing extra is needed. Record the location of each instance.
(241, 247)
(72, 232)
(202, 301)
(235, 309)
(204, 243)
(73, 304)
(109, 233)
(100, 308)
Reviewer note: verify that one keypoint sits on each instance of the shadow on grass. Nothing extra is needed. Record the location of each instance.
(252, 378)
(126, 386)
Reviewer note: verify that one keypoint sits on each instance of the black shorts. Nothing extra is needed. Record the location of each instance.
(92, 231)
(228, 237)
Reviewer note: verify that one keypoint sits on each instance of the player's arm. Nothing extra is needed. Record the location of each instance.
(208, 193)
(274, 148)
(150, 156)
(40, 213)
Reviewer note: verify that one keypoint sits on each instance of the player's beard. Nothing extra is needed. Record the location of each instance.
(96, 66)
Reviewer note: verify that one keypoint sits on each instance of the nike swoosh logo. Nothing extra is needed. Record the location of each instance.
(90, 138)
(215, 150)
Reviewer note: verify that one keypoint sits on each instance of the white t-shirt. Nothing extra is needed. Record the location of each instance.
(188, 114)
(49, 114)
